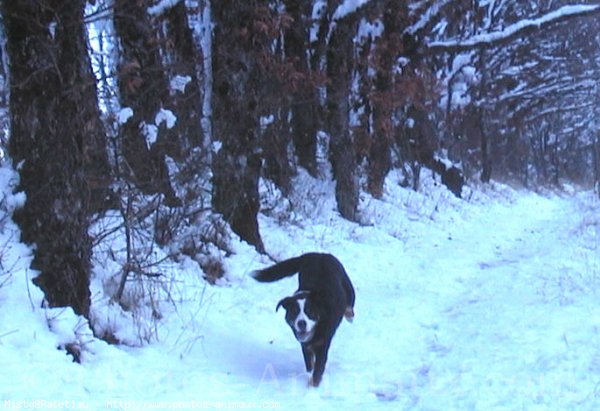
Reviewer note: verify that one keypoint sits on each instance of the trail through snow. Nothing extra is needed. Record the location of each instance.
(517, 321)
(486, 305)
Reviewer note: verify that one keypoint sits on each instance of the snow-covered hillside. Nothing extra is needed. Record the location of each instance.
(488, 303)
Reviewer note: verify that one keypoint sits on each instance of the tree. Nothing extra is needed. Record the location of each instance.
(143, 88)
(382, 97)
(57, 141)
(517, 74)
(275, 94)
(185, 100)
(343, 153)
(305, 106)
(239, 39)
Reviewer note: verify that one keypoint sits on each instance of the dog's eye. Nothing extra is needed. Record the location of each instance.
(293, 309)
(312, 312)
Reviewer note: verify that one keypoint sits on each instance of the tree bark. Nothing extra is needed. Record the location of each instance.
(143, 87)
(236, 81)
(486, 155)
(305, 107)
(596, 162)
(58, 141)
(343, 153)
(186, 103)
(382, 101)
(275, 139)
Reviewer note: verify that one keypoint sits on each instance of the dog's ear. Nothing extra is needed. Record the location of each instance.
(283, 302)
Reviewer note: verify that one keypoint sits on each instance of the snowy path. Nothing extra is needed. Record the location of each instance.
(499, 311)
(490, 305)
(512, 334)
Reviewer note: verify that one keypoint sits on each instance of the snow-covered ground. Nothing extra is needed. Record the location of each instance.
(488, 303)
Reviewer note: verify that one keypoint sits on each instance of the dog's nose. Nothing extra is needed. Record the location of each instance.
(301, 325)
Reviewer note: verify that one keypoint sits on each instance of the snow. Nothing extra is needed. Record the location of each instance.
(265, 121)
(347, 7)
(462, 76)
(489, 303)
(513, 29)
(204, 30)
(318, 11)
(165, 116)
(216, 146)
(428, 16)
(52, 29)
(178, 83)
(369, 31)
(162, 6)
(150, 132)
(124, 115)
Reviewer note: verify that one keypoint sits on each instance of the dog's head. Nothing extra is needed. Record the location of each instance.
(301, 315)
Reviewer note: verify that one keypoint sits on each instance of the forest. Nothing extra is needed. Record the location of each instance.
(173, 114)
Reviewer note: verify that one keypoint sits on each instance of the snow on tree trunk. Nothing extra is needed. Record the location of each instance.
(143, 88)
(340, 52)
(184, 84)
(388, 48)
(58, 142)
(237, 163)
(305, 104)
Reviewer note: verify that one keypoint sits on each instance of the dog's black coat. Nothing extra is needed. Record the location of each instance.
(325, 295)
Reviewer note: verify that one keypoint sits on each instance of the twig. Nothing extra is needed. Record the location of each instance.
(128, 263)
(8, 333)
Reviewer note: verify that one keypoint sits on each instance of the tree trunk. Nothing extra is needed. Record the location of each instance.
(279, 78)
(387, 49)
(275, 139)
(343, 153)
(595, 146)
(596, 162)
(486, 149)
(58, 139)
(305, 107)
(237, 164)
(143, 87)
(186, 102)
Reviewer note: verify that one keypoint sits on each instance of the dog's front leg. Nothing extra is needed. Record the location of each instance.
(309, 357)
(320, 361)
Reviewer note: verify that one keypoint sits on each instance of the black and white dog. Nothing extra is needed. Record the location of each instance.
(325, 295)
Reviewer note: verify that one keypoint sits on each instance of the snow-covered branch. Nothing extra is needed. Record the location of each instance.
(514, 30)
(552, 111)
(428, 18)
(347, 7)
(162, 7)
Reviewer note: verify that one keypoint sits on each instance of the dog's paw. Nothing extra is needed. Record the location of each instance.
(313, 383)
(349, 314)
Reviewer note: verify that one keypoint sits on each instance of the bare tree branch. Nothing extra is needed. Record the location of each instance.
(513, 31)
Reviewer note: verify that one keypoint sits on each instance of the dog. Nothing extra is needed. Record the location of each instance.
(314, 312)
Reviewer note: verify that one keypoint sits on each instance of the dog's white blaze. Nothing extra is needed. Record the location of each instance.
(310, 324)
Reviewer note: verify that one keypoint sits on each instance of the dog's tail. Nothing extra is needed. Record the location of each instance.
(285, 268)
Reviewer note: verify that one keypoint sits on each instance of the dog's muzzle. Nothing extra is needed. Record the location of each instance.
(303, 336)
(301, 332)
